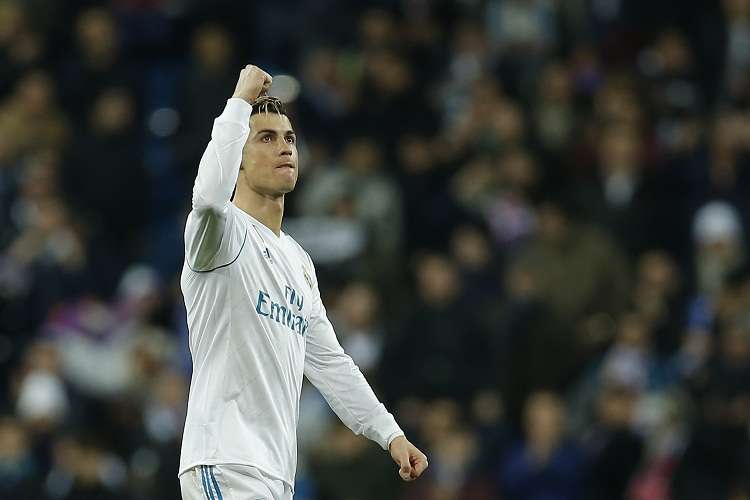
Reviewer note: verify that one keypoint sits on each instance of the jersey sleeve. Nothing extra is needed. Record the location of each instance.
(340, 381)
(209, 233)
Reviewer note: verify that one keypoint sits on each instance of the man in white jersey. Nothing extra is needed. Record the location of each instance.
(256, 319)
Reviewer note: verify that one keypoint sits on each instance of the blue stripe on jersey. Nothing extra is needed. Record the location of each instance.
(206, 488)
(216, 483)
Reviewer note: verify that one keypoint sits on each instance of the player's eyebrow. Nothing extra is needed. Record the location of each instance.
(272, 131)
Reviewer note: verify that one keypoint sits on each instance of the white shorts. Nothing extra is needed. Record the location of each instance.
(231, 482)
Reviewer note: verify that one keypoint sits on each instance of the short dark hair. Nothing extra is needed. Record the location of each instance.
(268, 104)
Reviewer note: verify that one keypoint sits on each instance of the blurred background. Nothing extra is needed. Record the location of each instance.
(529, 219)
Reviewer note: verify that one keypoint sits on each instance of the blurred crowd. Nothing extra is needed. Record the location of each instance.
(529, 219)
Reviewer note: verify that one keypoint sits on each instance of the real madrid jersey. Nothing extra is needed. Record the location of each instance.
(257, 324)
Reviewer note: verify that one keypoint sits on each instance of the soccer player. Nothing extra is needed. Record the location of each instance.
(256, 319)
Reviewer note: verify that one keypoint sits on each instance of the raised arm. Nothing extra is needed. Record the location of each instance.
(218, 170)
(338, 378)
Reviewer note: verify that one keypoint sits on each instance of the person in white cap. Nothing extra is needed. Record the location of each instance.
(717, 231)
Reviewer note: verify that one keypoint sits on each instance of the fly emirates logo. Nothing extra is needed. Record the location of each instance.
(286, 313)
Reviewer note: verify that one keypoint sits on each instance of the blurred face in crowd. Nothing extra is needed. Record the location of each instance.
(471, 248)
(388, 73)
(113, 111)
(518, 171)
(556, 85)
(97, 34)
(42, 356)
(38, 179)
(619, 149)
(362, 156)
(319, 68)
(13, 441)
(616, 407)
(437, 279)
(469, 39)
(553, 223)
(35, 92)
(486, 90)
(674, 51)
(520, 283)
(169, 389)
(657, 271)
(507, 121)
(377, 28)
(269, 159)
(544, 419)
(617, 102)
(212, 47)
(12, 21)
(414, 154)
(439, 419)
(458, 448)
(736, 345)
(358, 304)
(633, 332)
(737, 8)
(658, 280)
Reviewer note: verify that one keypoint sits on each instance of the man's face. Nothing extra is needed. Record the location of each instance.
(269, 158)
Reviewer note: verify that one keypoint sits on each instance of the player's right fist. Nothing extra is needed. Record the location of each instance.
(252, 82)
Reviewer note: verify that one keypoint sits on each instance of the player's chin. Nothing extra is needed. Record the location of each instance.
(286, 180)
(287, 186)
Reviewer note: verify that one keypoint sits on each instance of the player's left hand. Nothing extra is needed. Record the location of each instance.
(410, 460)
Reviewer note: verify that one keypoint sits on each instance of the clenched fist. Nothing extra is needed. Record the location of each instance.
(412, 462)
(252, 82)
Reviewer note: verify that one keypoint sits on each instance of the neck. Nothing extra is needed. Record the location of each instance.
(269, 210)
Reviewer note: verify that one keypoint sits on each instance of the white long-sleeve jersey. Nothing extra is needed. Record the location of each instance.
(256, 324)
